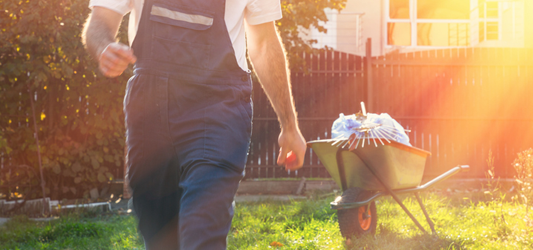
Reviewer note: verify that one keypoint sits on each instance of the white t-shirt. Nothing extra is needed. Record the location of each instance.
(253, 11)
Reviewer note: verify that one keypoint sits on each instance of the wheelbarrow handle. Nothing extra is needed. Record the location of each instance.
(448, 174)
(464, 168)
(444, 176)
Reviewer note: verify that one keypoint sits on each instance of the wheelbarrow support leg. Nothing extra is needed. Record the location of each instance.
(405, 209)
(431, 225)
(389, 190)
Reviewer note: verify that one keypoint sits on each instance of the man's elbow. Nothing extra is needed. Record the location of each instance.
(84, 32)
(263, 47)
(254, 53)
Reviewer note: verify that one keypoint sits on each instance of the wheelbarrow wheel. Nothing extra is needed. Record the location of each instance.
(358, 221)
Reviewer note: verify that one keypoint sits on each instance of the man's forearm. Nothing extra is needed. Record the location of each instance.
(100, 30)
(269, 62)
(268, 58)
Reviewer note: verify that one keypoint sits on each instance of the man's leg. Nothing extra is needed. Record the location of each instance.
(206, 206)
(158, 220)
(210, 127)
(153, 170)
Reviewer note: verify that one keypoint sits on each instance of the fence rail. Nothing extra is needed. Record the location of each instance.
(459, 104)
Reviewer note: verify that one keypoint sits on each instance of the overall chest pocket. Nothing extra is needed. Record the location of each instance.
(181, 36)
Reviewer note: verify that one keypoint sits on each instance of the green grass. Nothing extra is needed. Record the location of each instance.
(297, 225)
(71, 232)
(461, 223)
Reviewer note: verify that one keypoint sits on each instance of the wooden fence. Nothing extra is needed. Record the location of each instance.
(460, 104)
(335, 83)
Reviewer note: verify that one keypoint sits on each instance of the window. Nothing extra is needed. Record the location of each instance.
(499, 22)
(428, 23)
(452, 23)
(488, 20)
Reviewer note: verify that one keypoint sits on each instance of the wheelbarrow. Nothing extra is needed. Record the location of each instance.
(367, 172)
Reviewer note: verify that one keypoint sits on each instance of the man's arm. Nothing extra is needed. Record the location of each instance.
(269, 62)
(99, 38)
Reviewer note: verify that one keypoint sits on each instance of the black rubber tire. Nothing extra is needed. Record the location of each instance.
(350, 222)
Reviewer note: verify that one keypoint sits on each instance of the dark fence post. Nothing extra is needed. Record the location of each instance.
(369, 83)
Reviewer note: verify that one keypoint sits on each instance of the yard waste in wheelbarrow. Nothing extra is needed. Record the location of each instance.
(370, 164)
(385, 127)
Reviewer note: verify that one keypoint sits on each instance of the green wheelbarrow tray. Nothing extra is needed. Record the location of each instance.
(399, 165)
(377, 169)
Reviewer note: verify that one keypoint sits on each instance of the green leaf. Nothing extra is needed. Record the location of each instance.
(95, 163)
(67, 173)
(41, 77)
(101, 177)
(64, 160)
(109, 175)
(56, 168)
(67, 70)
(76, 167)
(108, 158)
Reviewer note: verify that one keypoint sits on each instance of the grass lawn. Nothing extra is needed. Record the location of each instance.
(461, 223)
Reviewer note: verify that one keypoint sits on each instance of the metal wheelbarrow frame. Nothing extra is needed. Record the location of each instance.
(369, 172)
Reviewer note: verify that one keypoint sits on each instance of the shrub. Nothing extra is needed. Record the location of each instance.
(523, 165)
(493, 182)
(78, 111)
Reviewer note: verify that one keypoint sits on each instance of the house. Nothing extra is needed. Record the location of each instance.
(411, 25)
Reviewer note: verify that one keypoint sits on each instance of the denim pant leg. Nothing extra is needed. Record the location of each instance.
(211, 143)
(207, 205)
(152, 167)
(158, 219)
(187, 147)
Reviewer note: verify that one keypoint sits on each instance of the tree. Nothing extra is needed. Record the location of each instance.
(78, 111)
(305, 14)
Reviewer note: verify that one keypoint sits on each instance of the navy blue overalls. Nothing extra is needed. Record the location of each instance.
(188, 119)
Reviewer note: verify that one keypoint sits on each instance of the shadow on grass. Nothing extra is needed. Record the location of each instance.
(387, 239)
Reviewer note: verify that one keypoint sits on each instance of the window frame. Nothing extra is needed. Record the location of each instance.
(473, 33)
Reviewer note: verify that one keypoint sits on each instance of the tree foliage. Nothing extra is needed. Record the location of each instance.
(78, 111)
(298, 14)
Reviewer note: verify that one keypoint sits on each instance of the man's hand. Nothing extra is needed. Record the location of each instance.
(115, 58)
(99, 35)
(292, 149)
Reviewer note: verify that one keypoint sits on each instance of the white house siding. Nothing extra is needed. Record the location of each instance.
(373, 26)
(514, 28)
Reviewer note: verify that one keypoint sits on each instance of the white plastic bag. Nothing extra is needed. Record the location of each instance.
(345, 126)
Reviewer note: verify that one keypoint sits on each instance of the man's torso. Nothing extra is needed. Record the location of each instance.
(253, 11)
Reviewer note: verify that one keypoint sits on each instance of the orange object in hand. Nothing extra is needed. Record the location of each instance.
(291, 159)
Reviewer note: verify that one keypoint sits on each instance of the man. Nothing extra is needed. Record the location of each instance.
(188, 109)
